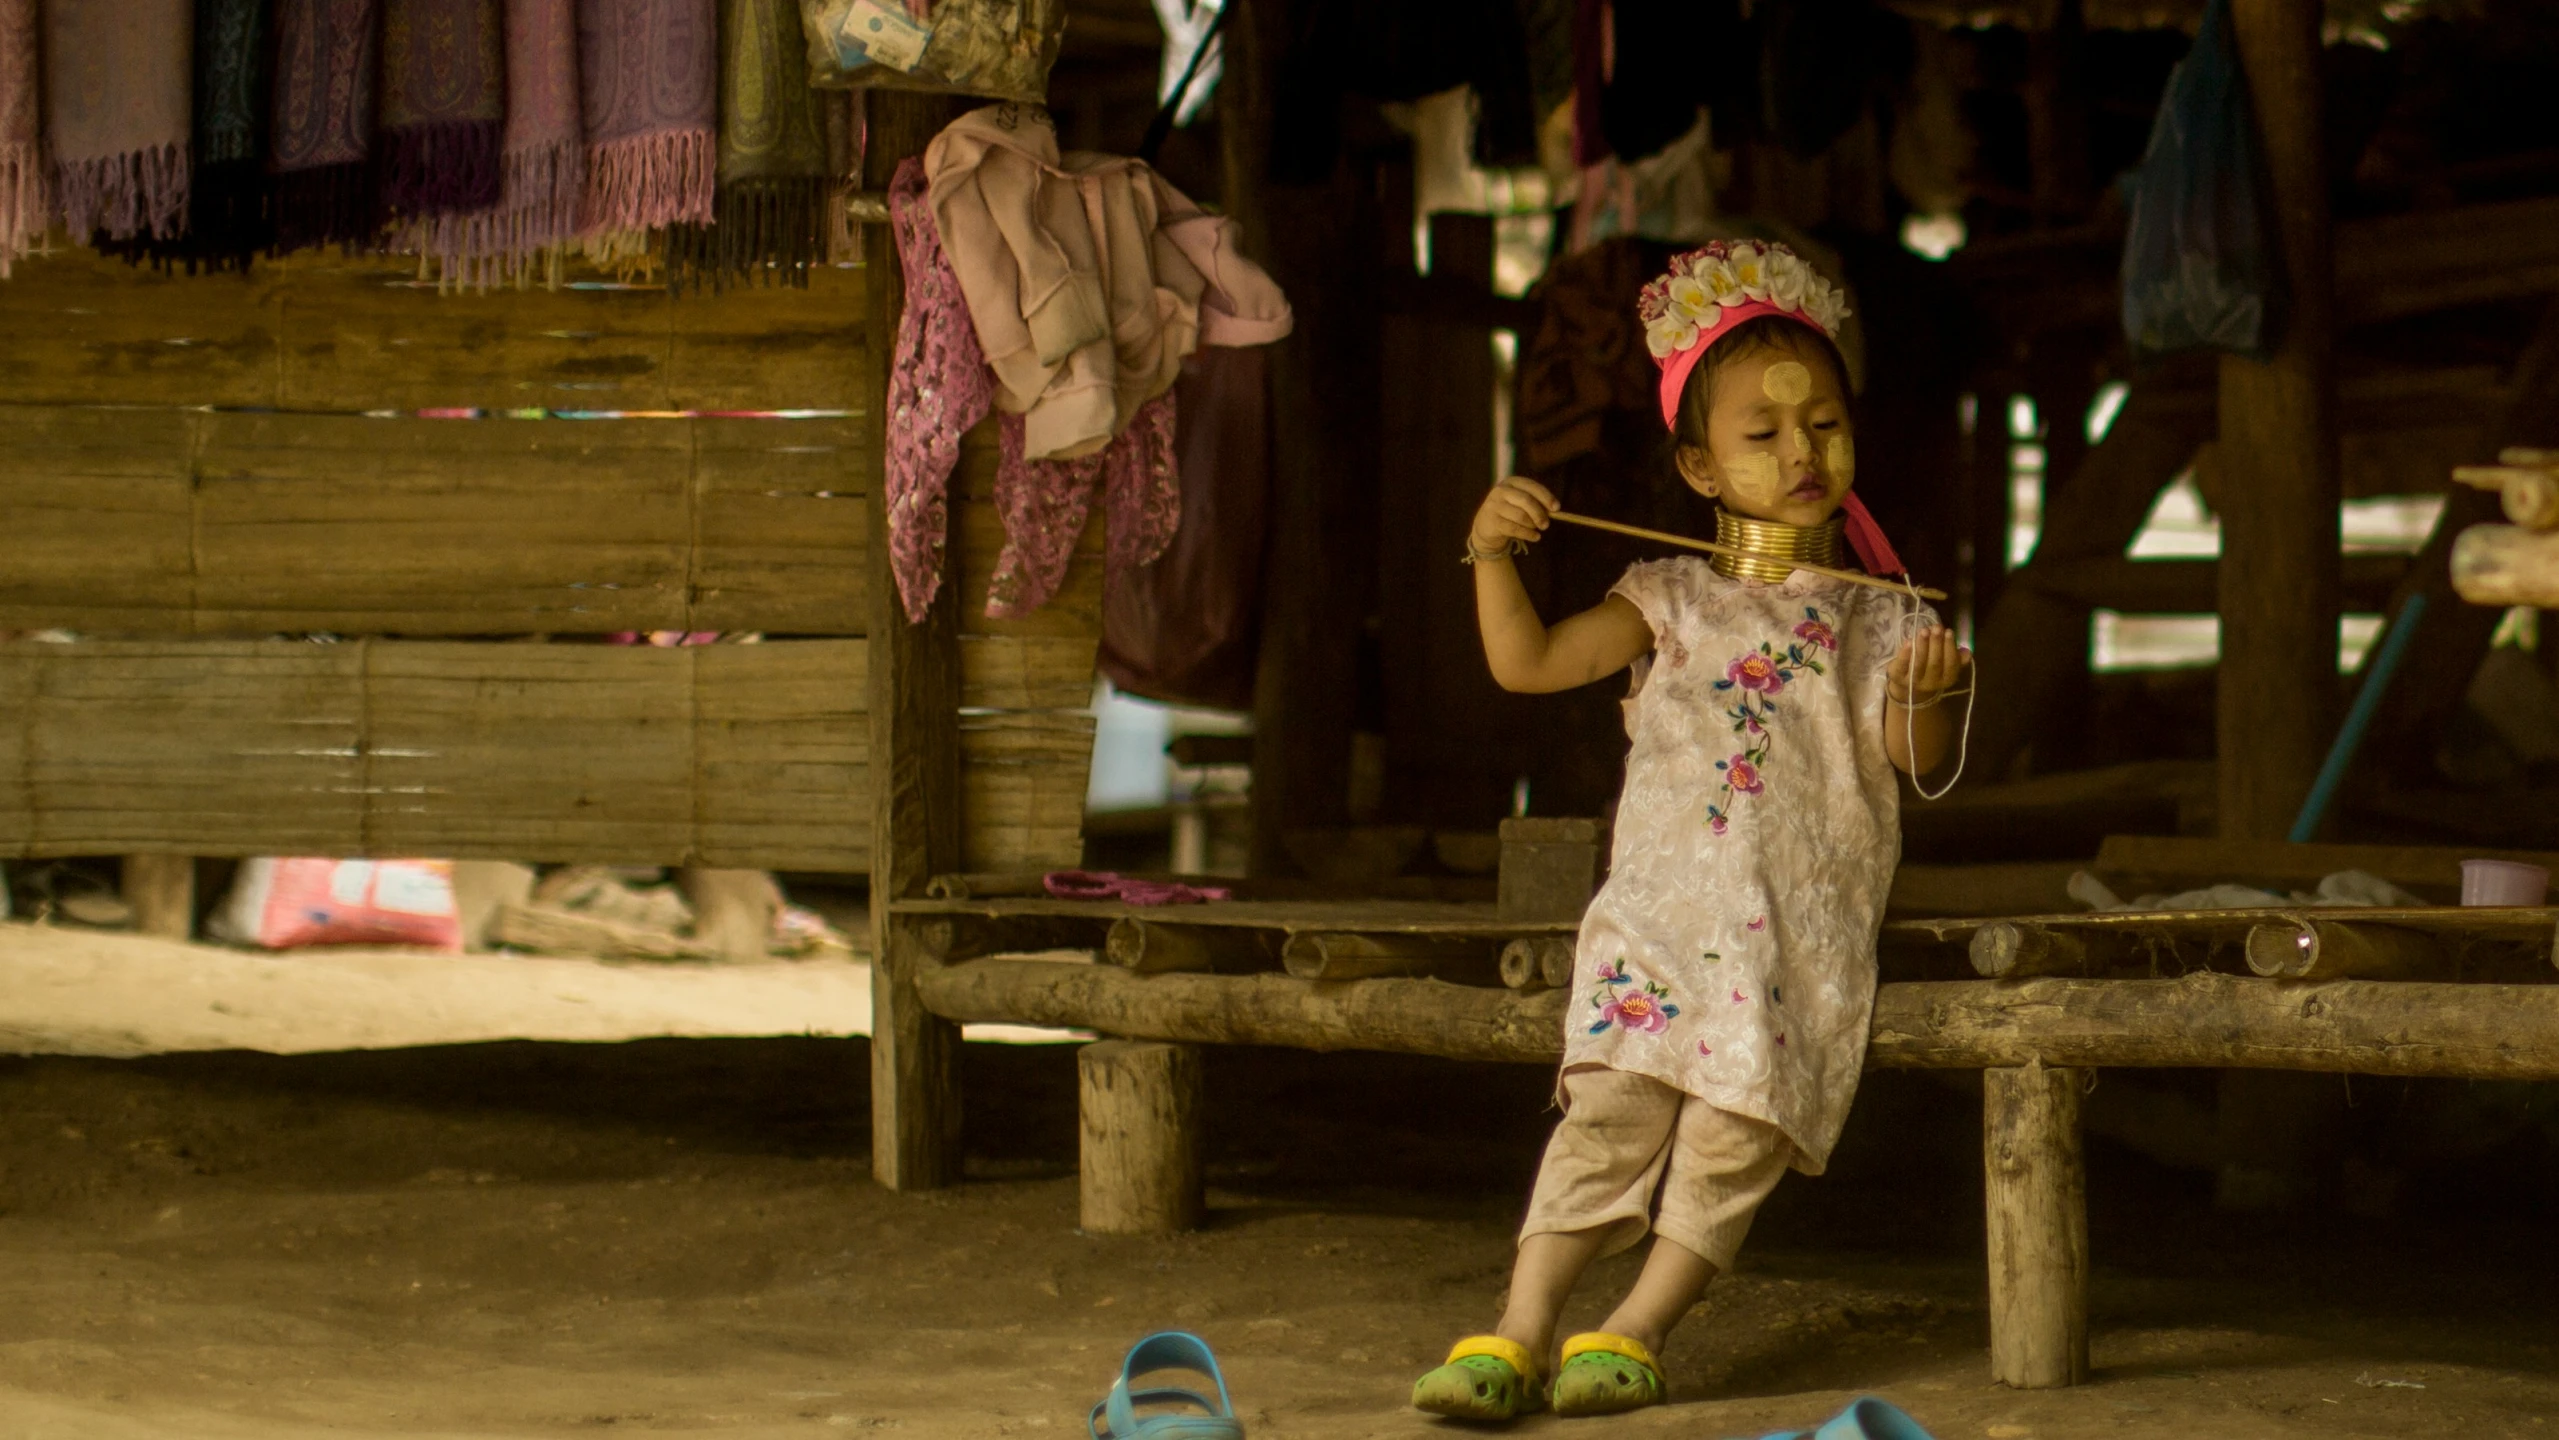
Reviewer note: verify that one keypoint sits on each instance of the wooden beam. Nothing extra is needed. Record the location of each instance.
(2200, 1020)
(2036, 1197)
(914, 685)
(1152, 947)
(1139, 1105)
(2176, 862)
(2278, 502)
(2022, 949)
(1329, 956)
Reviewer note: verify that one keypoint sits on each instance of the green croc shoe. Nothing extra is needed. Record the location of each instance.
(1486, 1378)
(1605, 1374)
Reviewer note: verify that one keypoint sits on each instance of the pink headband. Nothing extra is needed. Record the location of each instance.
(1668, 316)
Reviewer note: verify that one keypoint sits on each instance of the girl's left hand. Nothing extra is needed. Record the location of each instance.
(1927, 666)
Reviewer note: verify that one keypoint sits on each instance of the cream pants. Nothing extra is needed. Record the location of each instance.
(1632, 1153)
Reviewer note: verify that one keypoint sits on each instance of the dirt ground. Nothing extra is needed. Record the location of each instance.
(519, 1240)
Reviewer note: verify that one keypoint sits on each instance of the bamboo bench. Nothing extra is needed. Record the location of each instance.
(2075, 999)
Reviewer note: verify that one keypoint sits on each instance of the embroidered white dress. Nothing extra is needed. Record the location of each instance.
(1732, 952)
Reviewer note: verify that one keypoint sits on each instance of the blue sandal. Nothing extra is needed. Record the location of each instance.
(1172, 1350)
(1864, 1419)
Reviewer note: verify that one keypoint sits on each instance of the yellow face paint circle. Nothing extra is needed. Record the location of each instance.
(1787, 382)
(1753, 477)
(1842, 457)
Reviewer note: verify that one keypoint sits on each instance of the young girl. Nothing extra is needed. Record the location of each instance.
(1725, 975)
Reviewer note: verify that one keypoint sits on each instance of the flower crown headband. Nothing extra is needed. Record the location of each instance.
(1727, 283)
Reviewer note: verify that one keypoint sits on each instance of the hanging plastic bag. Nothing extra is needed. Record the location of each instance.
(1001, 49)
(2198, 272)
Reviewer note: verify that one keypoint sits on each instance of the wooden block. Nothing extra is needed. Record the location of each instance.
(1154, 947)
(2037, 1203)
(1330, 955)
(549, 930)
(1538, 962)
(2506, 565)
(2019, 949)
(1551, 867)
(161, 890)
(1140, 1108)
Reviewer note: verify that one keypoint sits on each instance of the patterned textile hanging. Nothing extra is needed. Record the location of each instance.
(26, 207)
(648, 75)
(769, 212)
(327, 53)
(443, 105)
(543, 160)
(118, 82)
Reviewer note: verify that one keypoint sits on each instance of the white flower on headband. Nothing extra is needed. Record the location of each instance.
(1669, 335)
(1706, 282)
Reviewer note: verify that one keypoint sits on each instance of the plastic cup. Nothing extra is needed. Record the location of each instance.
(2503, 882)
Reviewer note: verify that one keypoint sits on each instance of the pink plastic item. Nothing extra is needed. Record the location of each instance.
(2503, 882)
(1104, 885)
(285, 904)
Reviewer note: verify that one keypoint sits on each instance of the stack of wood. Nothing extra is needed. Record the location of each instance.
(2515, 564)
(603, 913)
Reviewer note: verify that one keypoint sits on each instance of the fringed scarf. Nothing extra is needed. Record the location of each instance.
(443, 105)
(25, 199)
(648, 73)
(229, 215)
(117, 85)
(544, 161)
(769, 214)
(327, 53)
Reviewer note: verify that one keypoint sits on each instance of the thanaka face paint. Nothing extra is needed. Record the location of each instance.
(1803, 443)
(1753, 477)
(1841, 458)
(1787, 382)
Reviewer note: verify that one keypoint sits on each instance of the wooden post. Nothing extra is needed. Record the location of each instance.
(2037, 1195)
(2279, 579)
(1140, 1103)
(914, 745)
(161, 890)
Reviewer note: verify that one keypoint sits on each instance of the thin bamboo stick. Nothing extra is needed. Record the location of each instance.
(1712, 548)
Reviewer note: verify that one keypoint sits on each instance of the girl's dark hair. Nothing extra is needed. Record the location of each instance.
(1763, 332)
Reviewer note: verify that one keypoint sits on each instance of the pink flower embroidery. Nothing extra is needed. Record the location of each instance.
(1759, 924)
(1781, 1037)
(1817, 633)
(1740, 999)
(1636, 1011)
(1717, 824)
(1756, 672)
(1678, 656)
(1705, 1049)
(1744, 776)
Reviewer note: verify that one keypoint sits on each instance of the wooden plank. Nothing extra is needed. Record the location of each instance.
(2171, 862)
(1287, 917)
(100, 534)
(1022, 783)
(2201, 1020)
(779, 532)
(351, 334)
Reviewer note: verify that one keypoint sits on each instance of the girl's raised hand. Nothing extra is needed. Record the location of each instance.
(1514, 513)
(1927, 666)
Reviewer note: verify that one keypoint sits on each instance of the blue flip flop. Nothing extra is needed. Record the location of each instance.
(1172, 1350)
(1865, 1419)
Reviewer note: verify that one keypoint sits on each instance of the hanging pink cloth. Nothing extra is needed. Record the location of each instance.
(940, 387)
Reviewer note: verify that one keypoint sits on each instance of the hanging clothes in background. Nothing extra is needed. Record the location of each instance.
(230, 214)
(649, 74)
(1401, 50)
(1585, 360)
(26, 206)
(1186, 628)
(118, 103)
(321, 144)
(1087, 277)
(939, 388)
(443, 106)
(542, 164)
(769, 207)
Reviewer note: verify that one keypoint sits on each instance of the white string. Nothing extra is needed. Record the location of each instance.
(1910, 715)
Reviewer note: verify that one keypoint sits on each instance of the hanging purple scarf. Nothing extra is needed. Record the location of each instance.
(544, 159)
(118, 87)
(326, 55)
(649, 73)
(443, 105)
(25, 198)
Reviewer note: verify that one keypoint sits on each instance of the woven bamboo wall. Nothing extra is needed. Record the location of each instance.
(172, 535)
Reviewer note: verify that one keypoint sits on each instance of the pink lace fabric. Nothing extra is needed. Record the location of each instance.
(939, 387)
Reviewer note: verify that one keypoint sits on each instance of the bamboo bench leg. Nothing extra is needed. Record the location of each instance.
(915, 1063)
(2037, 1192)
(161, 890)
(1139, 1103)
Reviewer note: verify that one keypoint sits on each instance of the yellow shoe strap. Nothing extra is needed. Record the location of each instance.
(1600, 1342)
(1509, 1352)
